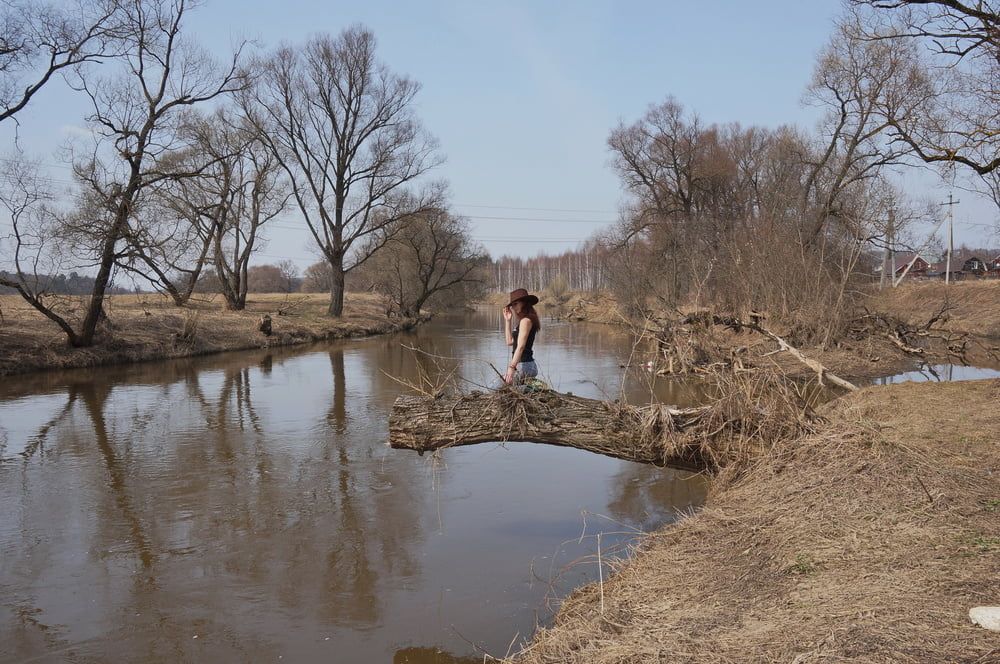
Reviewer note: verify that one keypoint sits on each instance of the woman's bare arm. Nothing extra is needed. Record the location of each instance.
(507, 316)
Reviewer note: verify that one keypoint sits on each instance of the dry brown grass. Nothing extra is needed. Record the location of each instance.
(975, 304)
(148, 327)
(868, 540)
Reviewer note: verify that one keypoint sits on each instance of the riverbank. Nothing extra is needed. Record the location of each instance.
(964, 308)
(149, 327)
(870, 539)
(969, 306)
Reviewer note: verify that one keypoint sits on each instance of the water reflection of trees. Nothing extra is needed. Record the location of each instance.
(337, 416)
(646, 497)
(95, 396)
(36, 443)
(209, 492)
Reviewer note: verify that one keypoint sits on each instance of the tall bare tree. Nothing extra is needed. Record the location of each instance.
(239, 188)
(168, 243)
(961, 49)
(135, 116)
(862, 86)
(342, 126)
(39, 40)
(36, 243)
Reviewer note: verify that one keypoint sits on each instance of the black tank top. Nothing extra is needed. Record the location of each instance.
(527, 355)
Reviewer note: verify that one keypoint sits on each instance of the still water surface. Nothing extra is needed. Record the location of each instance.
(940, 373)
(245, 507)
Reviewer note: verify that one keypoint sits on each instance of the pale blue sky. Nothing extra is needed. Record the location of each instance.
(522, 95)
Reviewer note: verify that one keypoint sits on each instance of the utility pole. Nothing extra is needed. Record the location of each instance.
(889, 255)
(951, 236)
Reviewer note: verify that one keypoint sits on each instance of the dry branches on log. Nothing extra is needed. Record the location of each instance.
(737, 324)
(925, 340)
(755, 412)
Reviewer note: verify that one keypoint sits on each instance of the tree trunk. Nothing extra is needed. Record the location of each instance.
(336, 287)
(653, 434)
(179, 298)
(96, 307)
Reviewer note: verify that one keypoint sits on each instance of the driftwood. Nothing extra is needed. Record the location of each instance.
(605, 427)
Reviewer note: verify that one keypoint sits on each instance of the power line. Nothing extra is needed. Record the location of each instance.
(546, 219)
(47, 178)
(533, 209)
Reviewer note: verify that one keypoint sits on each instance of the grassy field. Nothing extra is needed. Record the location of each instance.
(148, 327)
(868, 540)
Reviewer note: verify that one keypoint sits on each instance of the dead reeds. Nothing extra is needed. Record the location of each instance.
(867, 539)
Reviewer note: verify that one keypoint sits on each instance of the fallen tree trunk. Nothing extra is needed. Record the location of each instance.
(651, 434)
(753, 412)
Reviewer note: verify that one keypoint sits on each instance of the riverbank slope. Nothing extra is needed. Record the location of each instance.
(965, 316)
(869, 540)
(971, 306)
(149, 327)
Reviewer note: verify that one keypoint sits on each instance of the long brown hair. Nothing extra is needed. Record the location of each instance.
(528, 311)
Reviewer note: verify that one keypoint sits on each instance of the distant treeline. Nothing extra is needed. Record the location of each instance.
(59, 284)
(582, 269)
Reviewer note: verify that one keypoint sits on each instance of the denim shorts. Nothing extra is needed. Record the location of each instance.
(525, 370)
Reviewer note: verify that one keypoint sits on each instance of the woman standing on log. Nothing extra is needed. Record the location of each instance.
(521, 336)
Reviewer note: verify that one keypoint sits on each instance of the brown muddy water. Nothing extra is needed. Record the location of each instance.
(245, 507)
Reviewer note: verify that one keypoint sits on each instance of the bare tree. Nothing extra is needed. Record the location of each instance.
(168, 243)
(289, 276)
(35, 238)
(135, 116)
(38, 41)
(433, 253)
(961, 43)
(316, 278)
(862, 85)
(239, 188)
(280, 278)
(342, 126)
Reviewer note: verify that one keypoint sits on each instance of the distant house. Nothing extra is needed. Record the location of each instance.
(920, 266)
(963, 264)
(974, 265)
(902, 259)
(993, 267)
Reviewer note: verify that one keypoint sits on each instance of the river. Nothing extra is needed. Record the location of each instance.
(245, 506)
